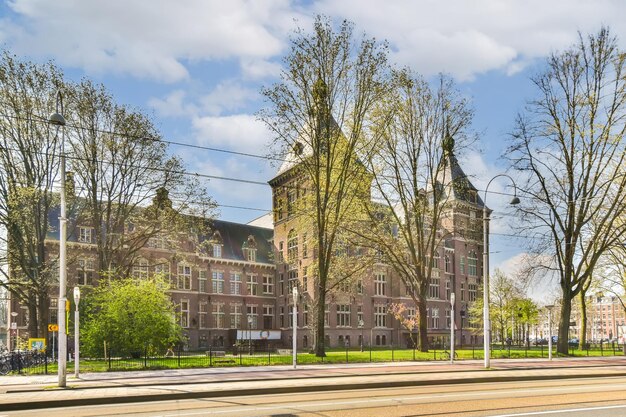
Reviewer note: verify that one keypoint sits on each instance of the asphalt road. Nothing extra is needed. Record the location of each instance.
(597, 397)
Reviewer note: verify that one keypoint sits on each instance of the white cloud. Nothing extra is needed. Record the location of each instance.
(174, 104)
(466, 38)
(241, 132)
(227, 96)
(151, 40)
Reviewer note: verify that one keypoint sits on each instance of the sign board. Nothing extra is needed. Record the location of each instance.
(14, 326)
(53, 327)
(258, 334)
(37, 343)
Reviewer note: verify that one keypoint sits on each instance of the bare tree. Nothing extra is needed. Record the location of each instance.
(568, 148)
(124, 176)
(29, 158)
(321, 107)
(412, 165)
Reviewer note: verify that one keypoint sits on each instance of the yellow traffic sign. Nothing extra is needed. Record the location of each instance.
(53, 327)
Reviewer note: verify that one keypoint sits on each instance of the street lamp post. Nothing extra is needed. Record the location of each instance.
(452, 299)
(549, 307)
(295, 325)
(249, 335)
(486, 318)
(76, 332)
(58, 120)
(361, 324)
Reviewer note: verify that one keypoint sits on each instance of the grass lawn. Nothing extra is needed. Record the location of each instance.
(201, 360)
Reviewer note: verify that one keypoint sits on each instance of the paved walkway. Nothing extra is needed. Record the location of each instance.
(27, 392)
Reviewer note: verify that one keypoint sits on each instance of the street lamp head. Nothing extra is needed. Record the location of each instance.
(13, 313)
(56, 119)
(452, 298)
(76, 295)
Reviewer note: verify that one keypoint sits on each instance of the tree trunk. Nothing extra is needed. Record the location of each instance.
(422, 343)
(320, 349)
(582, 335)
(566, 310)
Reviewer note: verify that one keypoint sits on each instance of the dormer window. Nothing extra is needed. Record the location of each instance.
(85, 234)
(217, 250)
(249, 249)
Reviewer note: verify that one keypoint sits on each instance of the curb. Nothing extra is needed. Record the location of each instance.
(20, 406)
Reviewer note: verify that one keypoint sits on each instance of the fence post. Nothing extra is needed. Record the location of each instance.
(601, 348)
(434, 354)
(110, 352)
(180, 347)
(370, 351)
(210, 355)
(145, 357)
(392, 358)
(413, 352)
(269, 355)
(347, 361)
(541, 350)
(45, 361)
(240, 358)
(473, 347)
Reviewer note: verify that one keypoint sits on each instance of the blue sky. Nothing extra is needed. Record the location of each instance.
(197, 66)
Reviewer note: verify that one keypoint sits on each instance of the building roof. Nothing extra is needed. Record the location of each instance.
(234, 237)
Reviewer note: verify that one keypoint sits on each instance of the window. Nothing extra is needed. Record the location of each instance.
(343, 315)
(435, 318)
(217, 282)
(292, 277)
(462, 291)
(140, 269)
(305, 315)
(326, 315)
(359, 286)
(448, 289)
(281, 283)
(252, 317)
(235, 283)
(359, 314)
(462, 264)
(184, 277)
(85, 234)
(268, 317)
(158, 242)
(380, 315)
(268, 284)
(85, 271)
(305, 279)
(472, 292)
(448, 319)
(218, 315)
(435, 263)
(292, 247)
(163, 269)
(471, 263)
(281, 255)
(235, 316)
(291, 201)
(305, 247)
(184, 313)
(252, 285)
(448, 264)
(202, 281)
(251, 255)
(433, 288)
(202, 314)
(281, 317)
(379, 284)
(217, 250)
(290, 316)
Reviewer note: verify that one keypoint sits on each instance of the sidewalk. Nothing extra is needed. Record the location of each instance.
(30, 392)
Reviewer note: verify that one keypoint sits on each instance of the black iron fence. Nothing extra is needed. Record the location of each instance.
(33, 362)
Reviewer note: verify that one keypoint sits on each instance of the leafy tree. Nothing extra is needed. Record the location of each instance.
(29, 160)
(130, 316)
(568, 148)
(122, 167)
(321, 108)
(410, 162)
